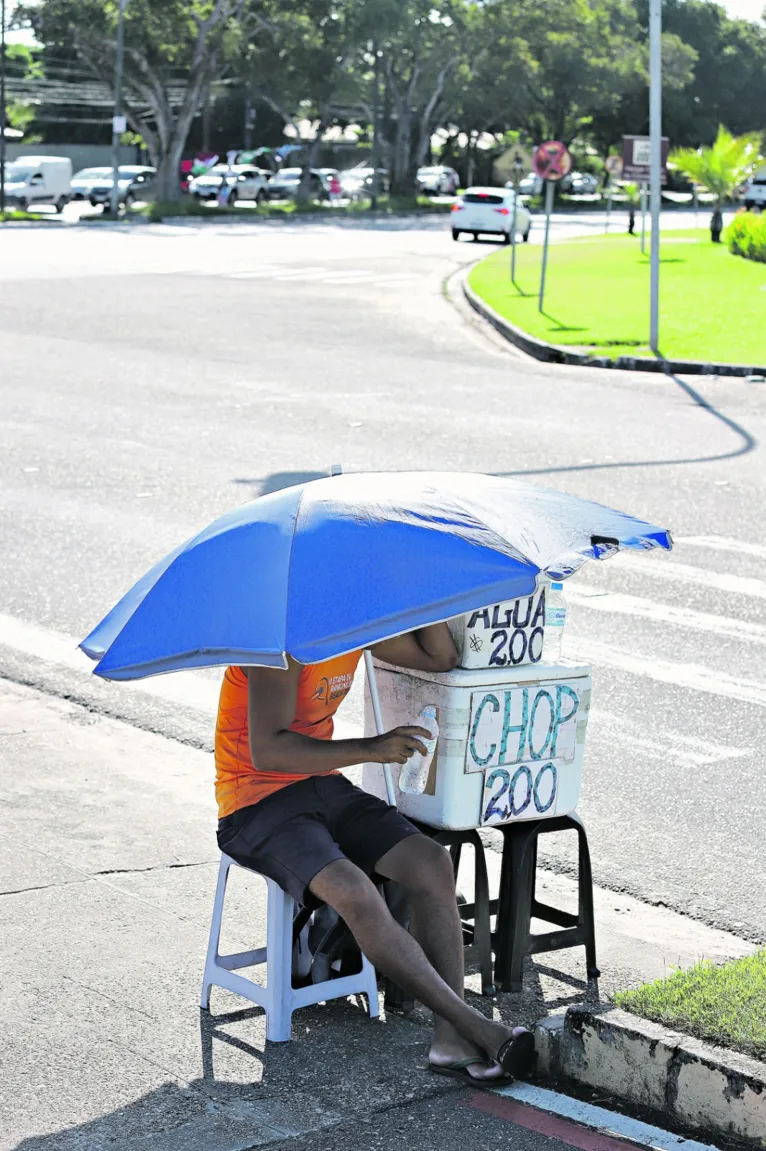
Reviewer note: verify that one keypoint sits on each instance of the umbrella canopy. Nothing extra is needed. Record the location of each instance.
(337, 564)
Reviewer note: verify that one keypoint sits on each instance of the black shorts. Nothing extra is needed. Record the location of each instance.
(294, 832)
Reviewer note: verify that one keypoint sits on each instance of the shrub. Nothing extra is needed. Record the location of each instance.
(746, 236)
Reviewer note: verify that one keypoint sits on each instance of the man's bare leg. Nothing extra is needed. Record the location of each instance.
(398, 955)
(424, 868)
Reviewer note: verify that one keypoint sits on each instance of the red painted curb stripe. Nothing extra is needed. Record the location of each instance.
(555, 1127)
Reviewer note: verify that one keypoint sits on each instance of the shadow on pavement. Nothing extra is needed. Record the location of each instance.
(747, 443)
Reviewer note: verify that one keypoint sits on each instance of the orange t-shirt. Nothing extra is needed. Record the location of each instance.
(321, 689)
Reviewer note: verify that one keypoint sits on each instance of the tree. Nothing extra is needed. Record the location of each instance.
(173, 50)
(418, 45)
(579, 57)
(304, 66)
(720, 168)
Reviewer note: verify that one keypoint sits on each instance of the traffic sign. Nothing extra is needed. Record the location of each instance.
(636, 159)
(514, 163)
(551, 160)
(613, 165)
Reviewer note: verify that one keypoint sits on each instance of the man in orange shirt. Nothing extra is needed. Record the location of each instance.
(286, 812)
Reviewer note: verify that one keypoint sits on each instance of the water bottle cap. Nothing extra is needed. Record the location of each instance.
(557, 587)
(430, 711)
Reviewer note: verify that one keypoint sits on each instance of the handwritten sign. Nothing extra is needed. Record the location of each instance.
(526, 792)
(521, 738)
(504, 635)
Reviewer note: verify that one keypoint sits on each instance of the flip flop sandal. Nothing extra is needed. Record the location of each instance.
(517, 1055)
(459, 1070)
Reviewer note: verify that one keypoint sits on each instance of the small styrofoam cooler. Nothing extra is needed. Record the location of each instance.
(510, 747)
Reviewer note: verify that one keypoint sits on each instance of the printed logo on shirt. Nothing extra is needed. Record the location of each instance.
(333, 687)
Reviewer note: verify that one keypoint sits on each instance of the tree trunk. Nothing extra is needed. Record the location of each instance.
(168, 172)
(303, 195)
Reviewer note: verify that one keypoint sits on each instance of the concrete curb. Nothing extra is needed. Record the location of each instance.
(554, 354)
(672, 1076)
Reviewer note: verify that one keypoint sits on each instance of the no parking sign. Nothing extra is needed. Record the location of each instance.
(552, 160)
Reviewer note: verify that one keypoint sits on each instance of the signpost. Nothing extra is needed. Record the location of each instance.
(551, 161)
(613, 165)
(658, 164)
(520, 162)
(645, 161)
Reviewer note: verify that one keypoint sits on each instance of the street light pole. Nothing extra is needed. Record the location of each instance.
(375, 160)
(117, 128)
(655, 172)
(2, 105)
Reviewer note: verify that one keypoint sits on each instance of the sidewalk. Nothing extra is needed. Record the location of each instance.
(107, 868)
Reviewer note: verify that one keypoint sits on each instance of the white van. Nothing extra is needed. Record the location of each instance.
(31, 180)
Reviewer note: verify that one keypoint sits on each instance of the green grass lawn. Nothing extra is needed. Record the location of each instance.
(712, 304)
(725, 1005)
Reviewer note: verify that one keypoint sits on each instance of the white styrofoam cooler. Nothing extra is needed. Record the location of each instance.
(510, 747)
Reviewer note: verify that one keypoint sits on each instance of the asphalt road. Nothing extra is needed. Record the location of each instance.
(154, 377)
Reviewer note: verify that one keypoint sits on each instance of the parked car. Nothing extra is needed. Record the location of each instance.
(754, 194)
(439, 181)
(33, 180)
(359, 181)
(529, 185)
(243, 180)
(135, 183)
(84, 180)
(580, 183)
(284, 185)
(489, 211)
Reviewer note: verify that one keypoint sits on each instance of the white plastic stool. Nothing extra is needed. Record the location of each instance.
(278, 998)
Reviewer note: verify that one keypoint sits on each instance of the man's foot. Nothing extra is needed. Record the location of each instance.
(446, 1052)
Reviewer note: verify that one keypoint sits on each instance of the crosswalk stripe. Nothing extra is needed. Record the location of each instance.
(686, 573)
(669, 745)
(598, 600)
(253, 273)
(722, 544)
(692, 676)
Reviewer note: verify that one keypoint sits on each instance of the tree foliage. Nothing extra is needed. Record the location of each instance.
(173, 50)
(723, 166)
(575, 70)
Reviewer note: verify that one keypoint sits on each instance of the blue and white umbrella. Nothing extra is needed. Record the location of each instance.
(337, 564)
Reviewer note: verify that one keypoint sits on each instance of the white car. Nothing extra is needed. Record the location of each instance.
(755, 191)
(438, 181)
(489, 211)
(244, 182)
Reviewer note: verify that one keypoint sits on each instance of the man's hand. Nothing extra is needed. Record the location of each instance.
(398, 745)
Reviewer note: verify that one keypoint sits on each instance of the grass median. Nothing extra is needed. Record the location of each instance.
(597, 297)
(724, 1005)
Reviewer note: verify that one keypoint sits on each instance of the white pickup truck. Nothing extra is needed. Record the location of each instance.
(754, 195)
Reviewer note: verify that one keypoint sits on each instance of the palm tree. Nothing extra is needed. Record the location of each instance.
(721, 168)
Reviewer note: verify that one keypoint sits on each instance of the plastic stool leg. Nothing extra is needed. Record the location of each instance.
(279, 944)
(521, 897)
(585, 909)
(214, 937)
(482, 934)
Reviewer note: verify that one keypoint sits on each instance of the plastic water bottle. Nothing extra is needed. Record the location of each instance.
(555, 618)
(414, 773)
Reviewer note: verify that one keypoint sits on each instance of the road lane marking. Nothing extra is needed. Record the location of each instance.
(685, 573)
(698, 752)
(253, 273)
(722, 544)
(692, 676)
(575, 1122)
(198, 690)
(599, 600)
